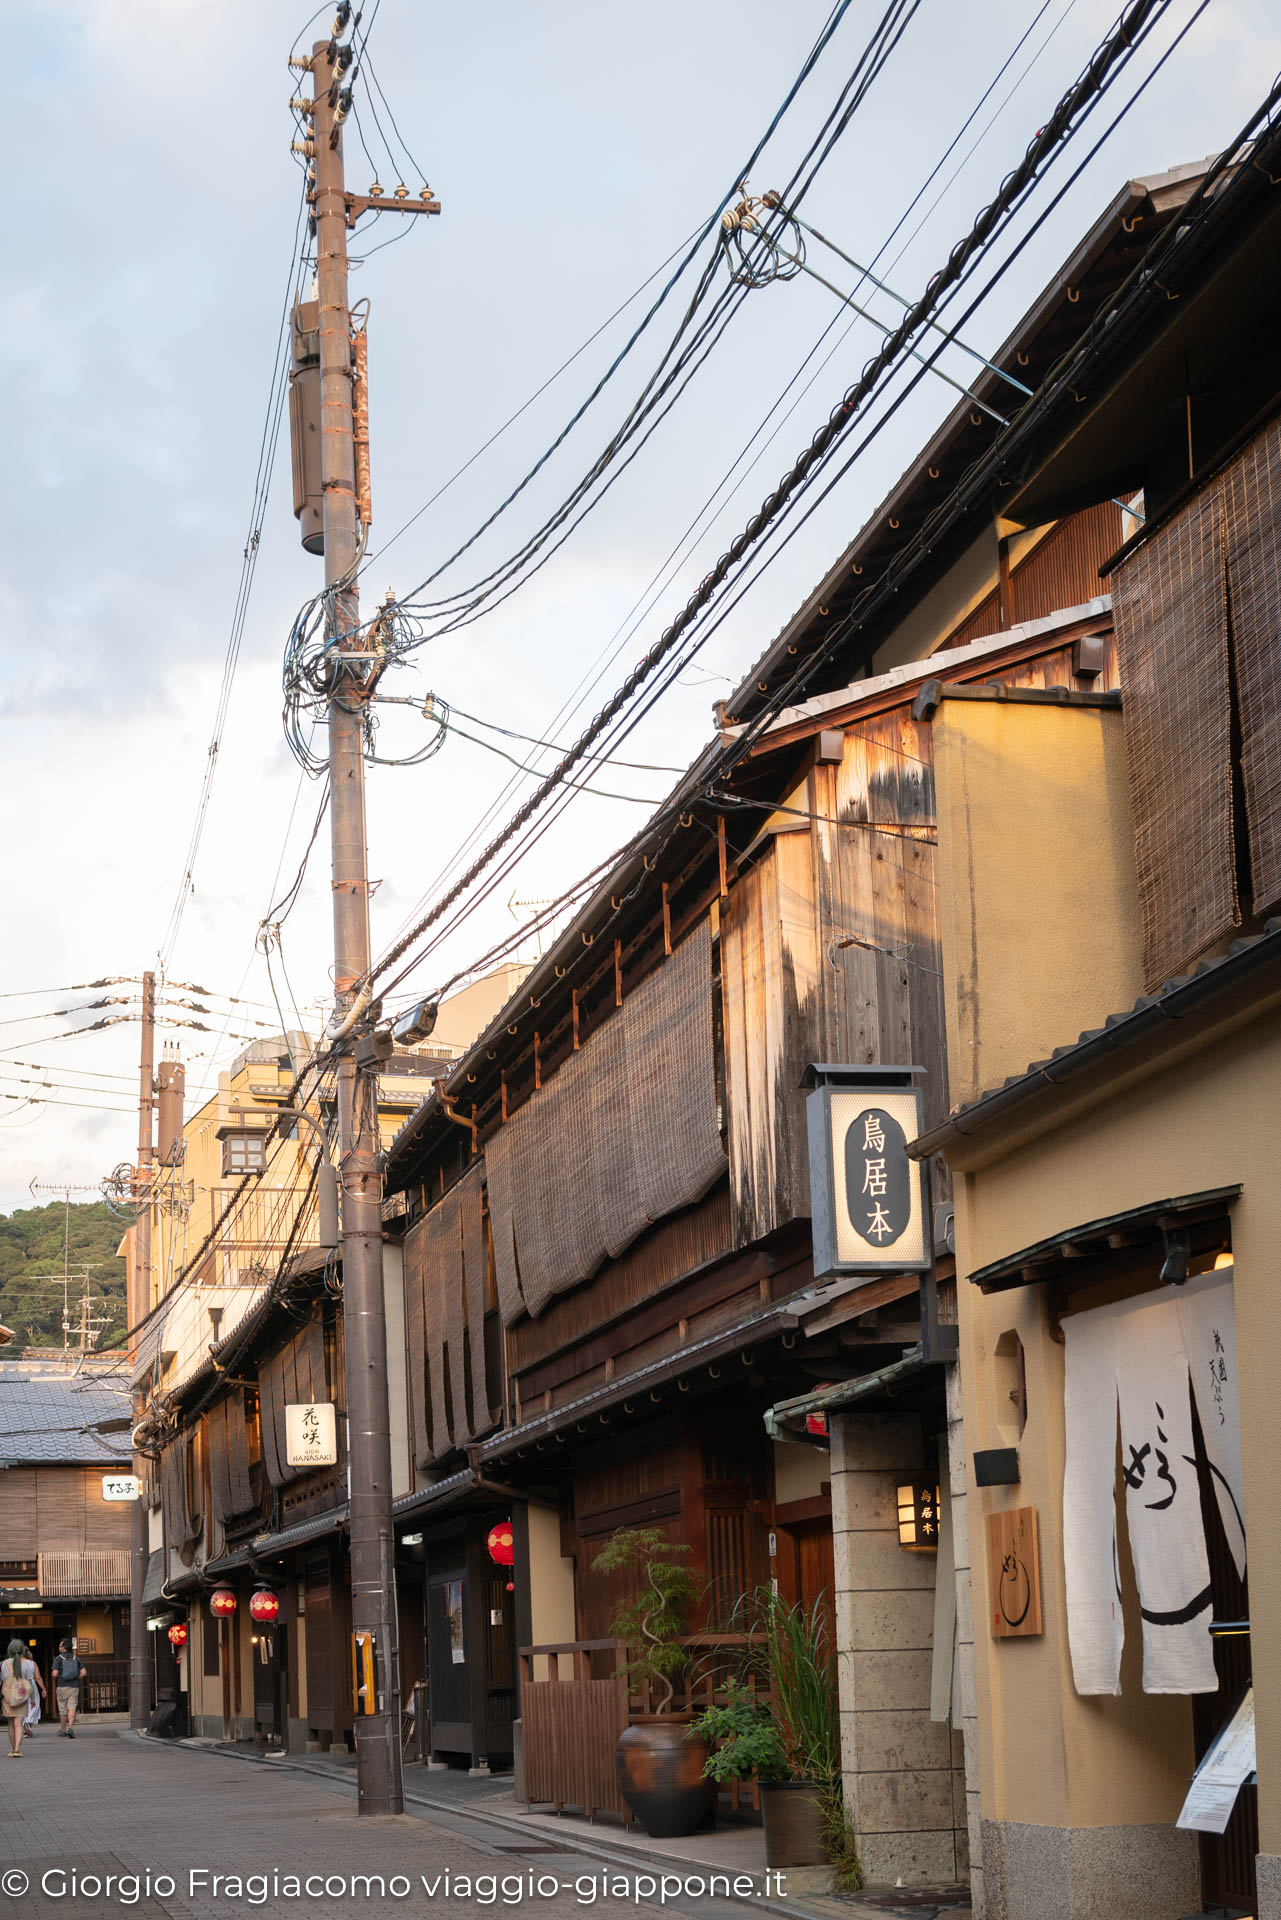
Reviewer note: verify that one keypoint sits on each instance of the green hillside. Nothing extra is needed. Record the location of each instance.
(31, 1242)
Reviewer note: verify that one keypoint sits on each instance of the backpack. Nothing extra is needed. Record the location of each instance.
(69, 1669)
(15, 1693)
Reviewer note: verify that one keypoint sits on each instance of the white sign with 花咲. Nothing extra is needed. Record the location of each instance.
(311, 1435)
(121, 1486)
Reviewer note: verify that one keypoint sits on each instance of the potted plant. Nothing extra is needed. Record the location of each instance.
(793, 1744)
(660, 1771)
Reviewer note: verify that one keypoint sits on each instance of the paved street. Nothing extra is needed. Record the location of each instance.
(74, 1815)
(87, 1823)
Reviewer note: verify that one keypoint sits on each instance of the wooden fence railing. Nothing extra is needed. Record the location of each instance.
(578, 1696)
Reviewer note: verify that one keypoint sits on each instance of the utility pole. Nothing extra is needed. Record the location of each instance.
(139, 1306)
(352, 674)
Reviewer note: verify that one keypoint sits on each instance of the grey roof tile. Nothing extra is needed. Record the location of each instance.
(47, 1422)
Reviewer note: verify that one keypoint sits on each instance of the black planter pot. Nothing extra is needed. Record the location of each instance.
(660, 1776)
(792, 1813)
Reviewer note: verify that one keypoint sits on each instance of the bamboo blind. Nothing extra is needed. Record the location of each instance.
(486, 1394)
(182, 1524)
(227, 1438)
(1250, 491)
(622, 1135)
(447, 1293)
(1170, 605)
(294, 1376)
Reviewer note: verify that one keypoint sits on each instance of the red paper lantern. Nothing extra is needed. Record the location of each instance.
(178, 1636)
(501, 1544)
(264, 1606)
(222, 1603)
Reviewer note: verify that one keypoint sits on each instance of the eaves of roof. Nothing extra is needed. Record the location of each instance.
(786, 1419)
(1093, 272)
(1025, 1093)
(894, 687)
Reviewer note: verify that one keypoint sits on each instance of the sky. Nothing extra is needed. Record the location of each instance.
(574, 148)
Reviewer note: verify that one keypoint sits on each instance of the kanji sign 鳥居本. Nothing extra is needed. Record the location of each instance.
(867, 1195)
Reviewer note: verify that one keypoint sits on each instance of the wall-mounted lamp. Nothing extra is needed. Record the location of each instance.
(411, 1539)
(918, 1518)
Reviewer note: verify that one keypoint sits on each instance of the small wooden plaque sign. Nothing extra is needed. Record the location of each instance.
(1013, 1574)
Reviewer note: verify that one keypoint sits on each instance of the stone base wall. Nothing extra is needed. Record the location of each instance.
(1268, 1868)
(903, 1772)
(1090, 1873)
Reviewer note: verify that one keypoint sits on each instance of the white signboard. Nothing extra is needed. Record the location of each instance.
(311, 1435)
(867, 1194)
(121, 1486)
(1222, 1773)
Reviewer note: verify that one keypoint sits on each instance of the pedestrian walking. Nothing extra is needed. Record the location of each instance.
(67, 1672)
(32, 1719)
(17, 1686)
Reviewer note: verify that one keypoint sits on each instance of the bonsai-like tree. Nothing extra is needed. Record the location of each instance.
(654, 1621)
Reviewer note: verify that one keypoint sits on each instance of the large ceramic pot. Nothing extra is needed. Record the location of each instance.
(792, 1813)
(660, 1775)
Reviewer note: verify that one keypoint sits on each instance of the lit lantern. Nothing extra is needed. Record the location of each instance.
(918, 1519)
(264, 1606)
(222, 1603)
(178, 1636)
(501, 1544)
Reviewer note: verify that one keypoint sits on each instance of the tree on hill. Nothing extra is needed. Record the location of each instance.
(32, 1243)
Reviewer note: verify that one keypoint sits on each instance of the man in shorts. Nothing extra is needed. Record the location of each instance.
(67, 1672)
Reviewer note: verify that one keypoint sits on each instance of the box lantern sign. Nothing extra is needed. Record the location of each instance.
(311, 1435)
(868, 1199)
(121, 1486)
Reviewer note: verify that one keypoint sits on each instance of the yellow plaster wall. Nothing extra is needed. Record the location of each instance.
(1211, 1117)
(1036, 881)
(551, 1589)
(1040, 940)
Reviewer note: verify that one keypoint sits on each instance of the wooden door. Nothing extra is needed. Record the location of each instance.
(816, 1568)
(448, 1655)
(329, 1707)
(269, 1670)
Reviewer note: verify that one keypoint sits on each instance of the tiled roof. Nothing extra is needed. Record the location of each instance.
(1169, 1001)
(47, 1422)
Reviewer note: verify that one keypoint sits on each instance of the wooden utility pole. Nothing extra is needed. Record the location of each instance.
(352, 673)
(138, 1306)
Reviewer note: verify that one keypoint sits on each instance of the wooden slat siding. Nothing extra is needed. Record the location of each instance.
(97, 1573)
(669, 1253)
(1061, 571)
(227, 1451)
(570, 1733)
(700, 1307)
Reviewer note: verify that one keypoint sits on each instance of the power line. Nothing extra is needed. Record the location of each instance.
(268, 442)
(1110, 58)
(669, 567)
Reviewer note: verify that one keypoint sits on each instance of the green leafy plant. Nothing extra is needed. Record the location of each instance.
(654, 1621)
(790, 1650)
(743, 1738)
